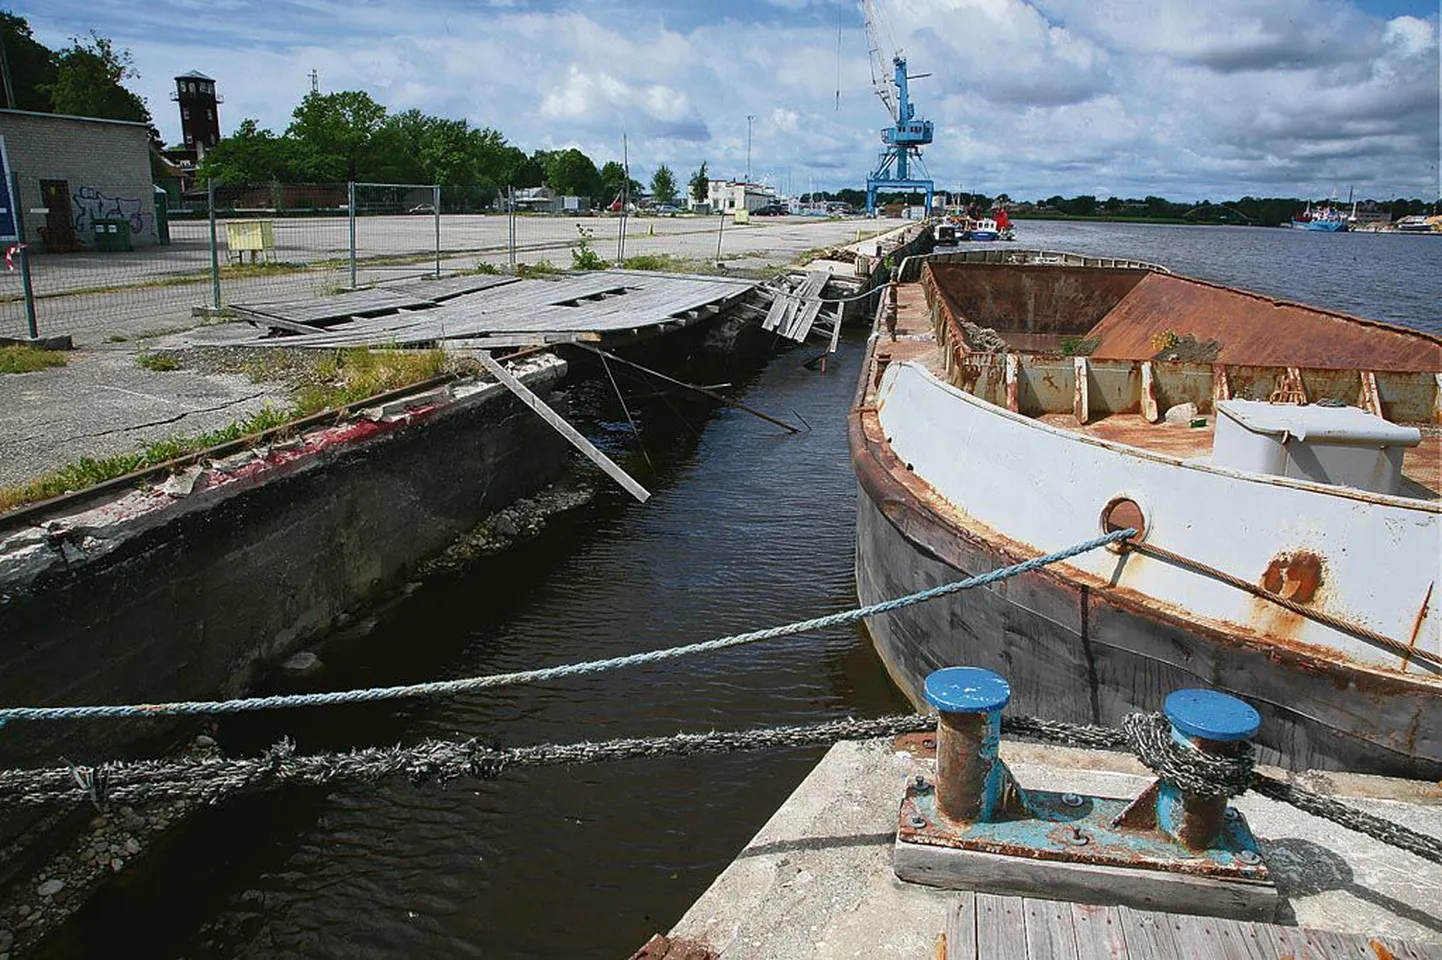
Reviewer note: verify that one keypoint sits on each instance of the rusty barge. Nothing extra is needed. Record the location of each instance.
(1282, 464)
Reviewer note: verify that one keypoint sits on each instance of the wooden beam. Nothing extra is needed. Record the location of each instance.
(1151, 410)
(1371, 399)
(559, 424)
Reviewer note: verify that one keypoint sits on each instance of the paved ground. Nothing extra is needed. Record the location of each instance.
(103, 403)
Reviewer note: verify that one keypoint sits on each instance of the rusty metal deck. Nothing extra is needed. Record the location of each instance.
(981, 926)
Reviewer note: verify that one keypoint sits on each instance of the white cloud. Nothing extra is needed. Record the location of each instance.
(1178, 97)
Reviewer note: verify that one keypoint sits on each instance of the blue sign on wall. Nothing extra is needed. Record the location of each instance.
(7, 200)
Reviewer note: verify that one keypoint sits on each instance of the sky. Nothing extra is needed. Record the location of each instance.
(1187, 99)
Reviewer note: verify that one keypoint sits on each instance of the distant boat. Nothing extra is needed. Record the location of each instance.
(1420, 224)
(1325, 219)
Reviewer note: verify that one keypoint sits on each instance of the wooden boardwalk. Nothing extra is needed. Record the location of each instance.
(983, 926)
(600, 303)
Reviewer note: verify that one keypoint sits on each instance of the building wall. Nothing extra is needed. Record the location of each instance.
(105, 162)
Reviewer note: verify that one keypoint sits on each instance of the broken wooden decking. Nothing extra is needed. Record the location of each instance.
(982, 926)
(488, 312)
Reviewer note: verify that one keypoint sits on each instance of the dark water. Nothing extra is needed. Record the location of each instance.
(747, 527)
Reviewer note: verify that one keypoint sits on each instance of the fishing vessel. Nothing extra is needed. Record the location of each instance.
(1280, 464)
(1325, 219)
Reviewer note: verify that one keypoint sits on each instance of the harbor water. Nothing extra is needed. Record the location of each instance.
(748, 527)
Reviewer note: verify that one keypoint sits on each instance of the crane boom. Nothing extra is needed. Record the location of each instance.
(880, 81)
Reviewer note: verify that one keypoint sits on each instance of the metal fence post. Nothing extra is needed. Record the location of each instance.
(24, 250)
(214, 247)
(436, 206)
(511, 224)
(720, 231)
(350, 204)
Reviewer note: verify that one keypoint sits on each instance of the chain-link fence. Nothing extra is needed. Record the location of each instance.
(113, 269)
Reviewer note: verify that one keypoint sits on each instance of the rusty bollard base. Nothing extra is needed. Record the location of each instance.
(1067, 848)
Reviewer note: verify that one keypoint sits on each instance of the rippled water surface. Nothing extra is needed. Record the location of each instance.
(748, 527)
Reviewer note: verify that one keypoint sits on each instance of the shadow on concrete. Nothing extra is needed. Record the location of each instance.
(820, 843)
(1302, 868)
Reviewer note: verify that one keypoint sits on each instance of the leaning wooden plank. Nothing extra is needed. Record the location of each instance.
(960, 928)
(1049, 931)
(279, 323)
(998, 925)
(559, 424)
(1098, 932)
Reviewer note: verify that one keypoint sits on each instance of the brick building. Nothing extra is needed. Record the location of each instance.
(76, 170)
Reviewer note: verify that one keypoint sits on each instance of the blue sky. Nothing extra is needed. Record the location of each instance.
(1188, 99)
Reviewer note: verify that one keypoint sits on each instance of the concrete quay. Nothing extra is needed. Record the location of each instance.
(817, 880)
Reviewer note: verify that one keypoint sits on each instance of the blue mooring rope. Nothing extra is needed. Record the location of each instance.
(444, 687)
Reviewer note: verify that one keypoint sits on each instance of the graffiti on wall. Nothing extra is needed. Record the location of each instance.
(92, 205)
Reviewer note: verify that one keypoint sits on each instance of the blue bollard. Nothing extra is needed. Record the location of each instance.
(1213, 723)
(971, 782)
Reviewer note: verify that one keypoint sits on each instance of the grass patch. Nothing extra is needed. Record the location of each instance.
(486, 268)
(21, 358)
(158, 362)
(659, 262)
(1077, 346)
(116, 338)
(332, 381)
(543, 268)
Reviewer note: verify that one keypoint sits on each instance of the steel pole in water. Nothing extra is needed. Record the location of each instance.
(24, 250)
(214, 247)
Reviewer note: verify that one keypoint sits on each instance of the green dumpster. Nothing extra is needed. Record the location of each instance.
(112, 236)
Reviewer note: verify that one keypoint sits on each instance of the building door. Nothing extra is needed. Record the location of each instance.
(59, 231)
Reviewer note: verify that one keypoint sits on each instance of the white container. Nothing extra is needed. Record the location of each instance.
(1343, 446)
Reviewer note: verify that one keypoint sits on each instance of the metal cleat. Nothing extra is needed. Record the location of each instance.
(974, 827)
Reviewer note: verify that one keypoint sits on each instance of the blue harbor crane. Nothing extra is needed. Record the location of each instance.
(907, 134)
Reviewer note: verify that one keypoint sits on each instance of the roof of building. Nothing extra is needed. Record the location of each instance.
(67, 116)
(195, 75)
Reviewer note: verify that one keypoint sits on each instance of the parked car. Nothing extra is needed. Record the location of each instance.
(771, 210)
(422, 208)
(665, 210)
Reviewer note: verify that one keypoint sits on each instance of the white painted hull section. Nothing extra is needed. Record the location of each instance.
(1045, 488)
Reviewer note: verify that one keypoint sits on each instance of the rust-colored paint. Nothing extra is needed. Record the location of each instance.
(1380, 949)
(1122, 513)
(1031, 299)
(1294, 576)
(1417, 624)
(1246, 325)
(919, 745)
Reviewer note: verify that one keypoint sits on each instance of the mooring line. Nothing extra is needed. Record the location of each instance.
(467, 684)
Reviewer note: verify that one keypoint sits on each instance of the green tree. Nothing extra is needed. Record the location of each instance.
(615, 183)
(32, 65)
(663, 184)
(249, 155)
(88, 81)
(572, 173)
(700, 184)
(333, 132)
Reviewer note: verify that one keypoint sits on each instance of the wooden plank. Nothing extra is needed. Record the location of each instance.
(559, 424)
(960, 928)
(1326, 945)
(1099, 932)
(1049, 933)
(957, 869)
(1256, 938)
(1148, 935)
(999, 920)
(1290, 943)
(1209, 937)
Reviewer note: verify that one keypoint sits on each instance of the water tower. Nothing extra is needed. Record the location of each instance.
(199, 111)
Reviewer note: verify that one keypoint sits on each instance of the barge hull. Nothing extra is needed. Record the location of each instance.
(1088, 654)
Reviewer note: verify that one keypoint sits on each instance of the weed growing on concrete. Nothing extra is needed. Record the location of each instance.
(355, 374)
(659, 262)
(159, 362)
(489, 269)
(21, 358)
(583, 255)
